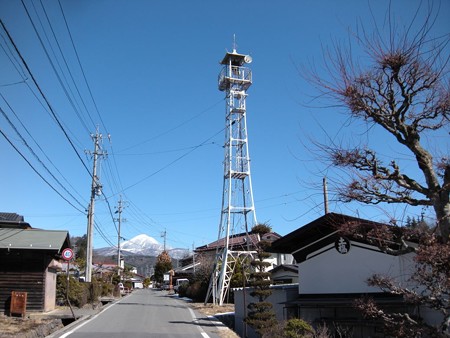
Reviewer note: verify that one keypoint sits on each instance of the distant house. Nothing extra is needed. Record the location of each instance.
(29, 262)
(285, 274)
(245, 242)
(332, 273)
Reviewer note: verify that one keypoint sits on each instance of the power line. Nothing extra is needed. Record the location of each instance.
(102, 234)
(67, 88)
(34, 169)
(176, 127)
(172, 162)
(68, 69)
(44, 97)
(81, 68)
(37, 157)
(37, 144)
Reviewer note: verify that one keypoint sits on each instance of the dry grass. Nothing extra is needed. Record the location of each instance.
(212, 310)
(13, 326)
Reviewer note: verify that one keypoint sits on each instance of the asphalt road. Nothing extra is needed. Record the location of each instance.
(145, 313)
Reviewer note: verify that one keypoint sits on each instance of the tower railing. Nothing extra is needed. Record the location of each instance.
(235, 74)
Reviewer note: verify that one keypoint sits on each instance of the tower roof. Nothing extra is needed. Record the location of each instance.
(233, 57)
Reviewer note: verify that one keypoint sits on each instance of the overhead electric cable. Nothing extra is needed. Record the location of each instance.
(102, 234)
(34, 169)
(166, 151)
(36, 156)
(53, 66)
(111, 213)
(69, 71)
(172, 162)
(40, 148)
(15, 63)
(45, 98)
(174, 128)
(82, 69)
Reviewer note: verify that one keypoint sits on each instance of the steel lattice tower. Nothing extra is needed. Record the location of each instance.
(238, 211)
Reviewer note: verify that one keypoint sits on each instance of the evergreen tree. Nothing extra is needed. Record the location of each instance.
(261, 316)
(80, 244)
(163, 265)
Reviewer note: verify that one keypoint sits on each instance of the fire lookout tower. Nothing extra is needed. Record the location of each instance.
(238, 211)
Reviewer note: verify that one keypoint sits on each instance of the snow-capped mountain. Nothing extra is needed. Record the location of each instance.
(142, 245)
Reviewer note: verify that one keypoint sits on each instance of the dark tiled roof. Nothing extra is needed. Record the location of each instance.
(13, 220)
(318, 233)
(239, 242)
(10, 217)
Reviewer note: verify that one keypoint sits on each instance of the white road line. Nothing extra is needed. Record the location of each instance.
(87, 321)
(203, 333)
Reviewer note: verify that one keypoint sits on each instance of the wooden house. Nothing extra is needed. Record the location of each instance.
(244, 242)
(29, 260)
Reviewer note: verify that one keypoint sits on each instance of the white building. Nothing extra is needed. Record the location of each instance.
(333, 270)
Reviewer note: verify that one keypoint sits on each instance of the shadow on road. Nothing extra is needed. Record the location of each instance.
(206, 322)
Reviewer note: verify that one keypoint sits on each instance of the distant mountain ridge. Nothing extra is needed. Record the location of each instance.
(142, 245)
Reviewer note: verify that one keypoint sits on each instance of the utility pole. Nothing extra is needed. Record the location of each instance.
(325, 194)
(119, 211)
(96, 190)
(193, 256)
(164, 235)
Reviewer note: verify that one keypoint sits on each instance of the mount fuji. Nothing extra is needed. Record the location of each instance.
(143, 245)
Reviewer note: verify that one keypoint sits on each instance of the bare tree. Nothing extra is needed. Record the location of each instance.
(405, 91)
(428, 285)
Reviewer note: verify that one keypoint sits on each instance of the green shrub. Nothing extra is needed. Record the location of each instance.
(78, 295)
(107, 289)
(297, 328)
(81, 293)
(196, 291)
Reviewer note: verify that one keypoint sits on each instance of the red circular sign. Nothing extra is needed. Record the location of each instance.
(67, 254)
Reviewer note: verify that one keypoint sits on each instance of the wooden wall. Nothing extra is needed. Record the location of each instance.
(24, 270)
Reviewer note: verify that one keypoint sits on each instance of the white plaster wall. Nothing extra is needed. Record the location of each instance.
(333, 272)
(280, 295)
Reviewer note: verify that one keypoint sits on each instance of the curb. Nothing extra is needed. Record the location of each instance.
(80, 320)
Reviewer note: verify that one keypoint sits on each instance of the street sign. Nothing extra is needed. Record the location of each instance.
(67, 254)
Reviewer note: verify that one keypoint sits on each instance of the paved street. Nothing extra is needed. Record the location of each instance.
(145, 313)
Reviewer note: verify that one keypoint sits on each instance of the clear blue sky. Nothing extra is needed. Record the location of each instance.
(152, 69)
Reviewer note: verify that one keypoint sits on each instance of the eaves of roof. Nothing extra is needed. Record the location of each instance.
(34, 239)
(285, 267)
(315, 231)
(235, 241)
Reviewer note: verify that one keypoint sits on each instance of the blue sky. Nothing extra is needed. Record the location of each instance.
(151, 69)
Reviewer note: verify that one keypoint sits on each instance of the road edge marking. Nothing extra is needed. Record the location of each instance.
(194, 317)
(88, 320)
